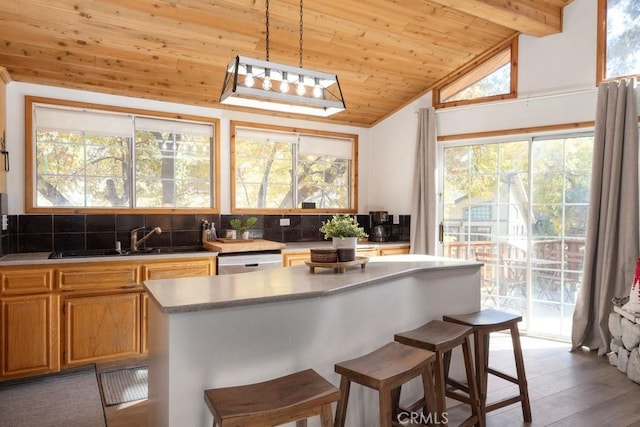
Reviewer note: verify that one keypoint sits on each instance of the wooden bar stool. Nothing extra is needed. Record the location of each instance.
(441, 338)
(484, 323)
(385, 370)
(294, 397)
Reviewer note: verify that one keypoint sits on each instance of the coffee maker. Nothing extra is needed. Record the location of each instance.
(380, 226)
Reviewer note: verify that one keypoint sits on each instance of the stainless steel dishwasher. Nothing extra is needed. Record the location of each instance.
(233, 263)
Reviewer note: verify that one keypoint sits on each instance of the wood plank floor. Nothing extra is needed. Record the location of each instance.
(566, 389)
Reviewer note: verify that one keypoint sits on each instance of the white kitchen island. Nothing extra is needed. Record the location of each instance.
(207, 332)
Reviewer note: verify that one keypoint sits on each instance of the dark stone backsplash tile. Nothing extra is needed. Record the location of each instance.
(44, 233)
(69, 224)
(35, 243)
(40, 224)
(69, 241)
(104, 223)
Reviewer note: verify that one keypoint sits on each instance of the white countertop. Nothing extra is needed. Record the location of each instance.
(283, 284)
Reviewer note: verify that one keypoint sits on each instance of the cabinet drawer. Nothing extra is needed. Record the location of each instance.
(26, 281)
(99, 276)
(177, 269)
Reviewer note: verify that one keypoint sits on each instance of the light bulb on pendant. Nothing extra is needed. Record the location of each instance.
(266, 83)
(300, 89)
(317, 90)
(248, 79)
(284, 84)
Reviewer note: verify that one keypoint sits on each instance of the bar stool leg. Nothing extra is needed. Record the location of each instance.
(476, 408)
(341, 410)
(301, 423)
(440, 388)
(326, 417)
(481, 346)
(430, 395)
(522, 379)
(384, 397)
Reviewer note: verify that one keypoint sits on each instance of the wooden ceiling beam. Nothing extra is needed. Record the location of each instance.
(532, 17)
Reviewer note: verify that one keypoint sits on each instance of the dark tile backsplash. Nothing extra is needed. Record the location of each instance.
(46, 233)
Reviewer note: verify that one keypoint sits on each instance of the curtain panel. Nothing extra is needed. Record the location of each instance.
(612, 242)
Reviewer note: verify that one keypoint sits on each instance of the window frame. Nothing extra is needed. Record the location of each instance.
(30, 159)
(353, 190)
(477, 65)
(601, 48)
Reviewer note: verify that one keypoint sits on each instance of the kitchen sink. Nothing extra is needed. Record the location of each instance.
(90, 253)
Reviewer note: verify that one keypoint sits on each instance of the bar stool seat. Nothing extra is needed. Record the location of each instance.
(442, 337)
(385, 370)
(293, 397)
(484, 323)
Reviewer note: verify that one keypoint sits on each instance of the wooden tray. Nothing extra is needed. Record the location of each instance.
(338, 267)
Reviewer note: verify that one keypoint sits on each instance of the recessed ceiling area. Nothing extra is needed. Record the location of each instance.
(386, 53)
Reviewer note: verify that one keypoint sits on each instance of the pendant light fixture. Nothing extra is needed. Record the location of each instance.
(271, 86)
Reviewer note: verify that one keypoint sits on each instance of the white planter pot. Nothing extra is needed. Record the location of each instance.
(345, 242)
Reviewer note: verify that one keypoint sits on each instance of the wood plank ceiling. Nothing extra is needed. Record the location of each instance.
(386, 53)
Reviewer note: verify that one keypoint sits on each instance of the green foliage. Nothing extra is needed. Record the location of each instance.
(342, 226)
(242, 224)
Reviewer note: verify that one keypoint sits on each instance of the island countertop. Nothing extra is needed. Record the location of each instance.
(285, 284)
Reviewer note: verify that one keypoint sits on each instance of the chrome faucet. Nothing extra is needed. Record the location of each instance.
(134, 237)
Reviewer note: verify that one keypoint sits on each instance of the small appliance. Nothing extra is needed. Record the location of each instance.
(380, 226)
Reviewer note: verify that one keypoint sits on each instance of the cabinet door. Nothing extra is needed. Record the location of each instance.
(101, 327)
(367, 252)
(29, 335)
(394, 251)
(177, 269)
(295, 258)
(145, 323)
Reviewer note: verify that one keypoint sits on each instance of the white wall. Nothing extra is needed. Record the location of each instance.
(556, 85)
(16, 92)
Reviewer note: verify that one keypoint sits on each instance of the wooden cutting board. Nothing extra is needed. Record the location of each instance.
(244, 246)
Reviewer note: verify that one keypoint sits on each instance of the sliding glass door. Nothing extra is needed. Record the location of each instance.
(520, 207)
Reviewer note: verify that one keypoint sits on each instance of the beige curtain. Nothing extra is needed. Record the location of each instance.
(423, 208)
(612, 244)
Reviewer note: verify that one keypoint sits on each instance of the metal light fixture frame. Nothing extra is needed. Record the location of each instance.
(322, 94)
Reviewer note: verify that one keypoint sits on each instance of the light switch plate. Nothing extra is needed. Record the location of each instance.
(285, 222)
(396, 219)
(5, 222)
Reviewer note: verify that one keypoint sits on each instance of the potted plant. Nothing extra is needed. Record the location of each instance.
(242, 225)
(344, 230)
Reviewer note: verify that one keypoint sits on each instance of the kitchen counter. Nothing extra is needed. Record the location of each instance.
(229, 330)
(42, 258)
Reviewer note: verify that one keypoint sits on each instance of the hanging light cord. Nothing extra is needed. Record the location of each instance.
(300, 33)
(267, 25)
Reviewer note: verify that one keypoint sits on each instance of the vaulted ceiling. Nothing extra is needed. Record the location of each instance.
(386, 53)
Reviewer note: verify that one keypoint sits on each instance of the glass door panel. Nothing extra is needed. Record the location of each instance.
(520, 208)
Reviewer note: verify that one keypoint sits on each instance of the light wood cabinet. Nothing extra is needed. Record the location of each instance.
(57, 316)
(29, 335)
(394, 250)
(101, 327)
(29, 322)
(297, 257)
(177, 269)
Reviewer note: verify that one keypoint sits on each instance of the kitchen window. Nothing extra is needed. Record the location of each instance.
(618, 39)
(89, 159)
(276, 169)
